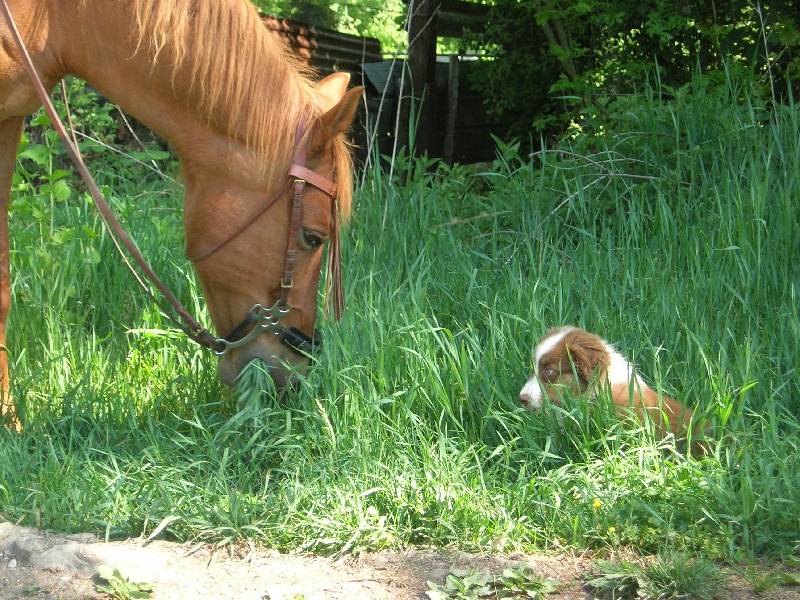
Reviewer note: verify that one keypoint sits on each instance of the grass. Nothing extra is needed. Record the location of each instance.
(669, 575)
(673, 232)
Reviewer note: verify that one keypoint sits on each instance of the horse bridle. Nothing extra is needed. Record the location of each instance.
(268, 320)
(263, 320)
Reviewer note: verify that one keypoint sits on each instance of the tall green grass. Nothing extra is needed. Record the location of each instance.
(672, 230)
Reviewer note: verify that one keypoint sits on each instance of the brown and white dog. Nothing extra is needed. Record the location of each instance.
(571, 361)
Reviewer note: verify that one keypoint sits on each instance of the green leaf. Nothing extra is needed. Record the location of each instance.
(437, 592)
(121, 588)
(165, 522)
(478, 579)
(789, 578)
(38, 153)
(60, 190)
(106, 572)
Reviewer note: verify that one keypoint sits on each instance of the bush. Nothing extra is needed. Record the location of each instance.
(550, 60)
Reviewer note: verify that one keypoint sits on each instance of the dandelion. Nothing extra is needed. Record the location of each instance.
(597, 503)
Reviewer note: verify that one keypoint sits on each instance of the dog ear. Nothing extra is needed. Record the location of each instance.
(587, 352)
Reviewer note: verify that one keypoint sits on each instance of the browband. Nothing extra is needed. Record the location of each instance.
(318, 181)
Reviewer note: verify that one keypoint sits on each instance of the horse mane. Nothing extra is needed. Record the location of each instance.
(246, 79)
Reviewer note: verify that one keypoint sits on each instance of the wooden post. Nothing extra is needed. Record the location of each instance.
(452, 110)
(417, 96)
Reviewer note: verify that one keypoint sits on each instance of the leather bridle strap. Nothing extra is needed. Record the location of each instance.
(252, 219)
(117, 233)
(302, 175)
(300, 171)
(287, 281)
(292, 337)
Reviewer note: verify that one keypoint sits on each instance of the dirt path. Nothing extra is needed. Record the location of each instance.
(38, 565)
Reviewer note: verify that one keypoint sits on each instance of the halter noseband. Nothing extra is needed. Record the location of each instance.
(269, 320)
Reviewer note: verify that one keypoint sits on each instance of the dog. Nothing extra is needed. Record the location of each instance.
(573, 361)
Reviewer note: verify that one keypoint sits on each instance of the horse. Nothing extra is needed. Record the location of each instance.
(237, 109)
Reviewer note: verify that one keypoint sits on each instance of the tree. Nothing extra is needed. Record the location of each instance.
(548, 58)
(381, 19)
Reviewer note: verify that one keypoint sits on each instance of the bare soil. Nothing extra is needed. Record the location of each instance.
(41, 565)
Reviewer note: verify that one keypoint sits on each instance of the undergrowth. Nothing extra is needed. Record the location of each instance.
(671, 231)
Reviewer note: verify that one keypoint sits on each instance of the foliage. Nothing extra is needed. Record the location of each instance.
(550, 59)
(765, 578)
(668, 576)
(520, 582)
(518, 70)
(371, 18)
(669, 226)
(618, 580)
(121, 588)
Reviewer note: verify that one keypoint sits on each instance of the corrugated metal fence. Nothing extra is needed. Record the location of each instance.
(467, 140)
(326, 50)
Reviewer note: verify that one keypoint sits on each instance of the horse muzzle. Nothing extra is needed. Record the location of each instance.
(283, 350)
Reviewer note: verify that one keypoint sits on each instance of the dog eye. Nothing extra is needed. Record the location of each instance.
(311, 240)
(549, 371)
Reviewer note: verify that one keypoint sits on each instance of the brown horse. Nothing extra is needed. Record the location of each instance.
(207, 76)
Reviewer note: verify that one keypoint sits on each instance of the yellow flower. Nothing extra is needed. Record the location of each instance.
(612, 529)
(597, 503)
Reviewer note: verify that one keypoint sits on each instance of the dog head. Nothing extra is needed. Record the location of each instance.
(565, 360)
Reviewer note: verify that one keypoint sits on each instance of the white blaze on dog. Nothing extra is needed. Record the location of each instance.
(551, 341)
(620, 371)
(569, 360)
(531, 394)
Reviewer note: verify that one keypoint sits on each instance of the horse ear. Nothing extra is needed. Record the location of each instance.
(332, 88)
(338, 119)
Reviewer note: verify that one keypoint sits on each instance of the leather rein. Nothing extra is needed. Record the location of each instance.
(259, 319)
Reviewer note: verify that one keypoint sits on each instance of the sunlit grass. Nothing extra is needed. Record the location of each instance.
(675, 239)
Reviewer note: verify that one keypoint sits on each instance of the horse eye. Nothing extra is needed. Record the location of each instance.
(312, 240)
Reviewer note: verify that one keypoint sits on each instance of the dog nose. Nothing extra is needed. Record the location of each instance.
(524, 398)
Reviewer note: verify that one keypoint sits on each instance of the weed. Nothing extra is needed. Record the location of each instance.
(669, 576)
(121, 588)
(519, 582)
(764, 579)
(676, 575)
(616, 580)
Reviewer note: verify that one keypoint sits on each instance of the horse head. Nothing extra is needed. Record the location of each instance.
(271, 255)
(240, 112)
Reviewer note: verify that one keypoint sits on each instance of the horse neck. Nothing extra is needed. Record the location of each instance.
(166, 100)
